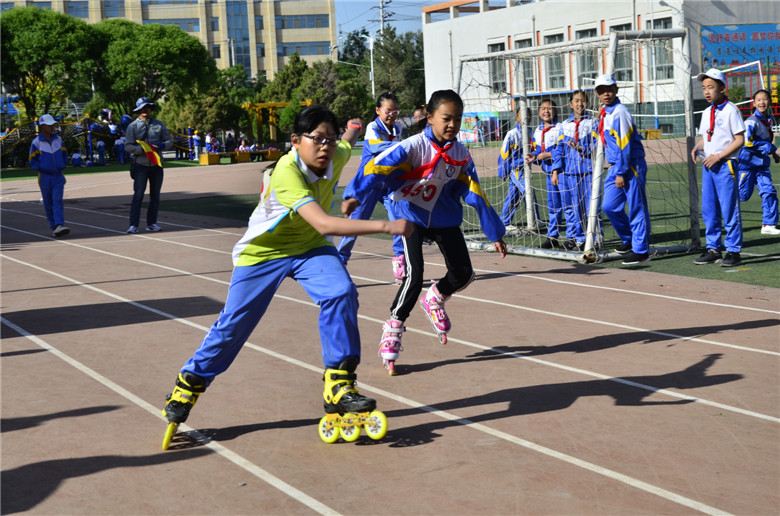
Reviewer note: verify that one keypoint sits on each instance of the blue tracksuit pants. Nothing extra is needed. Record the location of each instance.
(720, 206)
(52, 190)
(761, 177)
(634, 227)
(252, 287)
(576, 196)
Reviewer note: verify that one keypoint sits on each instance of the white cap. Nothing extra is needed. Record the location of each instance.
(712, 73)
(46, 119)
(605, 80)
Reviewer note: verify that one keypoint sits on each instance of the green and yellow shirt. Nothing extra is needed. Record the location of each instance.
(275, 228)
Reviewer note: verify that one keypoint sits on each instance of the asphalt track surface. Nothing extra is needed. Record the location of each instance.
(564, 389)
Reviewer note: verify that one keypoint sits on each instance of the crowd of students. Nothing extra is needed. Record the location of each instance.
(736, 158)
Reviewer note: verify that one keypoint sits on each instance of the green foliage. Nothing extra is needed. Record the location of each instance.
(46, 57)
(398, 67)
(736, 93)
(288, 114)
(352, 99)
(285, 81)
(150, 61)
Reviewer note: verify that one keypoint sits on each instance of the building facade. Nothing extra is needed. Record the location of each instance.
(258, 34)
(734, 31)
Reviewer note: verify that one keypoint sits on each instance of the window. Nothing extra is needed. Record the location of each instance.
(114, 9)
(308, 48)
(215, 24)
(303, 21)
(41, 5)
(528, 65)
(163, 2)
(556, 78)
(497, 70)
(587, 60)
(216, 53)
(185, 24)
(78, 9)
(258, 23)
(261, 50)
(662, 51)
(240, 53)
(6, 6)
(624, 69)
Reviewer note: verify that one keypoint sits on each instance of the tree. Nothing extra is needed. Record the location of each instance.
(150, 61)
(354, 49)
(46, 57)
(281, 87)
(399, 67)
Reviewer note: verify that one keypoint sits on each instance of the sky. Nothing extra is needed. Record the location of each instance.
(357, 14)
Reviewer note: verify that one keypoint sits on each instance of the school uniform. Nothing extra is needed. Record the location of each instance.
(279, 243)
(511, 166)
(576, 170)
(427, 183)
(545, 139)
(720, 198)
(754, 162)
(48, 158)
(378, 137)
(625, 155)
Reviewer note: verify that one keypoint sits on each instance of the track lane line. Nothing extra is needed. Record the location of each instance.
(299, 495)
(235, 458)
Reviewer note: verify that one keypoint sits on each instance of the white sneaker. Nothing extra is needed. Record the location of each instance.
(132, 230)
(60, 231)
(769, 230)
(153, 228)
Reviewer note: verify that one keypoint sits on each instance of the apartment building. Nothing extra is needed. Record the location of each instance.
(258, 34)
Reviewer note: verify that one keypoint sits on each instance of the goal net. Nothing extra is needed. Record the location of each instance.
(652, 69)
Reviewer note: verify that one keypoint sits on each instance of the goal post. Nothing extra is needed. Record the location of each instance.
(504, 81)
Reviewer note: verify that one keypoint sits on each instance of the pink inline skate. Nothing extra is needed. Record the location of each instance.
(399, 268)
(390, 345)
(433, 305)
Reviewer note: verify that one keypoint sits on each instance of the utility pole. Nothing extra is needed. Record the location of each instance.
(383, 15)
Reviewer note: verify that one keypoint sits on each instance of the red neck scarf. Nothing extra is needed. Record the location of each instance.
(713, 111)
(602, 114)
(426, 170)
(764, 120)
(542, 137)
(577, 130)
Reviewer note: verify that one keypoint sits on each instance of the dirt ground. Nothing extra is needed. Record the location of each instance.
(564, 389)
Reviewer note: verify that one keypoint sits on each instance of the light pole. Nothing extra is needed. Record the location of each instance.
(371, 54)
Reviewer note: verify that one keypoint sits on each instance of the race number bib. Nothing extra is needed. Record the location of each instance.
(423, 193)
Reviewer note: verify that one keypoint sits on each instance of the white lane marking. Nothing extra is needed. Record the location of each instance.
(638, 484)
(597, 287)
(233, 457)
(424, 332)
(435, 264)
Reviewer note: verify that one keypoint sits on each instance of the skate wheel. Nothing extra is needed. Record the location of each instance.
(169, 433)
(350, 429)
(376, 428)
(391, 367)
(328, 432)
(443, 338)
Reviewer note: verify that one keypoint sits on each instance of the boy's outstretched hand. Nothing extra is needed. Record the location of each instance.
(400, 227)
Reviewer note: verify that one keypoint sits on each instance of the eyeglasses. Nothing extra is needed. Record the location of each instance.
(390, 113)
(321, 140)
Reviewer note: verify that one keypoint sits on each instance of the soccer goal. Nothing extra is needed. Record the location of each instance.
(653, 72)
